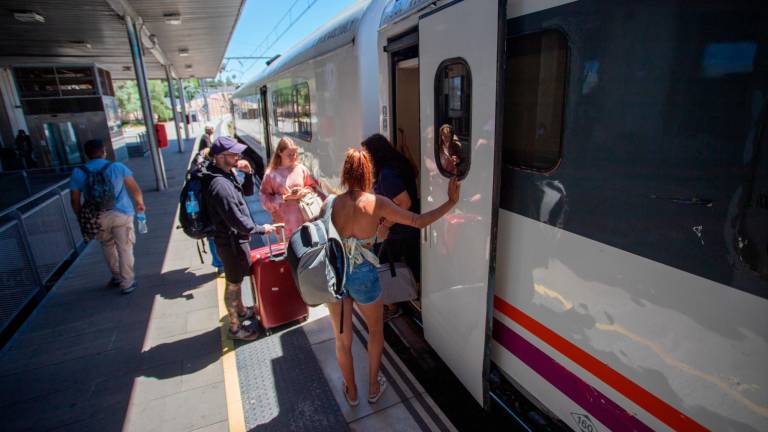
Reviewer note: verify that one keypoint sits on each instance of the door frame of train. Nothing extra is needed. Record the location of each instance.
(265, 120)
(443, 304)
(398, 48)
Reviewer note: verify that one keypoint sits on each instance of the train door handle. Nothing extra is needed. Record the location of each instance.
(425, 236)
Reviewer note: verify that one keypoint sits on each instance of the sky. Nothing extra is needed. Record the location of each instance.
(257, 21)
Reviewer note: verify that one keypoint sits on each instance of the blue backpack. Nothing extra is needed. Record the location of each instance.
(99, 190)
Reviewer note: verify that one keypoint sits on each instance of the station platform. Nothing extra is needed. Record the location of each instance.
(92, 359)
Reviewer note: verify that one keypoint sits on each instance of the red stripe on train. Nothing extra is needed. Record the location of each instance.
(642, 397)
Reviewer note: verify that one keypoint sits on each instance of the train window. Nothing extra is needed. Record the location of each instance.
(291, 111)
(534, 100)
(253, 106)
(302, 119)
(242, 108)
(278, 112)
(453, 120)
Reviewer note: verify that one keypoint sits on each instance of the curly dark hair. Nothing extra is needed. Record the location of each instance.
(384, 155)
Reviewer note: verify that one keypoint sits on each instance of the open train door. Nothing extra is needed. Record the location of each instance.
(458, 55)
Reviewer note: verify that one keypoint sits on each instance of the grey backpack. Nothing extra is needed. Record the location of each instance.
(317, 259)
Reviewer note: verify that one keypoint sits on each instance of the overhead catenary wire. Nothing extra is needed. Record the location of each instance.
(277, 33)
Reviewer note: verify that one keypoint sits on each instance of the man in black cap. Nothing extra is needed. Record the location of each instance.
(229, 214)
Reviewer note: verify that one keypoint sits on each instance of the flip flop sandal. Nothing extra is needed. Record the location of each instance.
(351, 402)
(382, 386)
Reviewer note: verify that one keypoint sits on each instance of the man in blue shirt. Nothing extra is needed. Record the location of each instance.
(116, 224)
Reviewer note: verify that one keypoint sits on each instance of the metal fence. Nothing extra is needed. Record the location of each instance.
(37, 236)
(17, 186)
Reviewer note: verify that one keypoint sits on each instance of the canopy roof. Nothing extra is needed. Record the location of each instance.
(93, 31)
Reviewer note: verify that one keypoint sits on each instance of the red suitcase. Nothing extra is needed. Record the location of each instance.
(277, 299)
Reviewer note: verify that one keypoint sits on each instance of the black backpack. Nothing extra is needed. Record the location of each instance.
(99, 190)
(196, 183)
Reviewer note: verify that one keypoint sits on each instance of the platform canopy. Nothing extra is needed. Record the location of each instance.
(189, 35)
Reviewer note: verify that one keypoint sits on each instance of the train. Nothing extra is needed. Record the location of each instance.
(609, 254)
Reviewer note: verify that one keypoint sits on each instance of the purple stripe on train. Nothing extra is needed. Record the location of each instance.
(592, 400)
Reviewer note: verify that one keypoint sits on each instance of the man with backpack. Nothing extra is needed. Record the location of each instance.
(101, 193)
(232, 226)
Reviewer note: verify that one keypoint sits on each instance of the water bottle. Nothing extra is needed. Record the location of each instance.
(141, 221)
(193, 207)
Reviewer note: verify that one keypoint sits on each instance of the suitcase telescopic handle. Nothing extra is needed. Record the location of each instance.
(281, 228)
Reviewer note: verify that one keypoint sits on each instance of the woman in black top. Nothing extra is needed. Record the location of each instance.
(395, 178)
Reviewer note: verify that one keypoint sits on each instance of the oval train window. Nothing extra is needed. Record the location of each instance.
(453, 119)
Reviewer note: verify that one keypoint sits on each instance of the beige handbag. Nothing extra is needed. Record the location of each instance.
(310, 206)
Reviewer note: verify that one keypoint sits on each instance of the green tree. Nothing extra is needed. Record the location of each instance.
(129, 102)
(191, 88)
(158, 90)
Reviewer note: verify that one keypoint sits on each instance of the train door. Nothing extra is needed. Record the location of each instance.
(458, 70)
(404, 76)
(265, 121)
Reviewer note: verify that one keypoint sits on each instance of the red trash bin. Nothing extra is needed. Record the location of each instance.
(162, 136)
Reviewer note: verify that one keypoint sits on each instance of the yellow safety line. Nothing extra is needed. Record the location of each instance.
(229, 362)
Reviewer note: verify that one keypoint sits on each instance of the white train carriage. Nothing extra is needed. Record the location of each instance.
(610, 251)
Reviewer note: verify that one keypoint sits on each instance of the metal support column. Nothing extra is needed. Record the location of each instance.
(183, 103)
(172, 96)
(204, 88)
(146, 104)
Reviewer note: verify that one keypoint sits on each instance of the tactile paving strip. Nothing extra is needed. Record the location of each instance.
(283, 387)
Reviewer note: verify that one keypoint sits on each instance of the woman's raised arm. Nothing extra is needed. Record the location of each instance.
(385, 208)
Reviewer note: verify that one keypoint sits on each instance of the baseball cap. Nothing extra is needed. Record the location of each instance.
(225, 143)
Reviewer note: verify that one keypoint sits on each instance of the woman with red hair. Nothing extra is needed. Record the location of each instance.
(356, 214)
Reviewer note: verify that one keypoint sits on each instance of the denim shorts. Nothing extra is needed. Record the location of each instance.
(362, 283)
